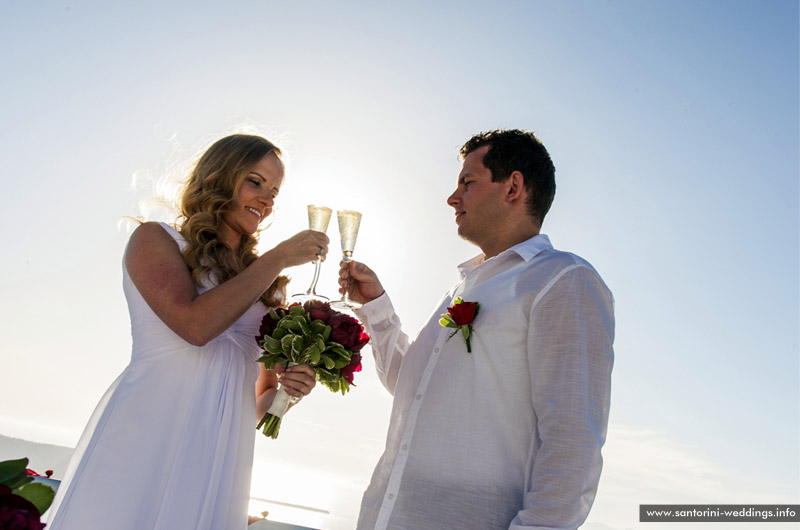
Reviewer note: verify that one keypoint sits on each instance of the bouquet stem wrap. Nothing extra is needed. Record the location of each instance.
(271, 422)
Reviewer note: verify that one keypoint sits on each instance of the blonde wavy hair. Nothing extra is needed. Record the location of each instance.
(210, 189)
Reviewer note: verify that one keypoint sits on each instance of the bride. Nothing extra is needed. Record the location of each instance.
(170, 445)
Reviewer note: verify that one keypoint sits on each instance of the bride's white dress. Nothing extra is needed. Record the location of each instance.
(170, 445)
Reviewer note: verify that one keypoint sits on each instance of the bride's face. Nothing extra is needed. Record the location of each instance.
(254, 200)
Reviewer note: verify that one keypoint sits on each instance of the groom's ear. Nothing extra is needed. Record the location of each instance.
(515, 187)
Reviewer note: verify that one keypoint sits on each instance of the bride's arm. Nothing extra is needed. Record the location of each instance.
(157, 268)
(266, 387)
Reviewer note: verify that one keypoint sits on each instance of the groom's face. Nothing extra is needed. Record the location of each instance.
(477, 201)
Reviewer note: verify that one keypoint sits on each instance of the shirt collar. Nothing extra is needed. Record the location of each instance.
(527, 250)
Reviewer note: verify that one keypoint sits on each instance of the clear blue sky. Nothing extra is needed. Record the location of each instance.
(673, 127)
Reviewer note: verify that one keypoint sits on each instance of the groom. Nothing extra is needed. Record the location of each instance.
(500, 424)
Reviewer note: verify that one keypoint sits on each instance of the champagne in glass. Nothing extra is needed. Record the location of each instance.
(349, 221)
(318, 219)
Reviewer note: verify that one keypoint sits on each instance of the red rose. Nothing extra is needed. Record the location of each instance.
(16, 519)
(268, 325)
(347, 331)
(17, 512)
(318, 310)
(363, 339)
(354, 366)
(463, 313)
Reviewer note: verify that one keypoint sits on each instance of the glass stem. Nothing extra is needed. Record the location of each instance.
(313, 288)
(348, 255)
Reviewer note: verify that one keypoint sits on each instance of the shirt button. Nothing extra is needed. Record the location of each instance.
(419, 396)
(436, 350)
(391, 496)
(405, 446)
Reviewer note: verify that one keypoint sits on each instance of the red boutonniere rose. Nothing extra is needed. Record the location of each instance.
(461, 315)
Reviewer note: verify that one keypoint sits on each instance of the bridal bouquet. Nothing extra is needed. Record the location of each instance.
(22, 501)
(313, 334)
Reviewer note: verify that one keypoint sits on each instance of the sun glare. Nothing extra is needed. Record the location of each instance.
(286, 492)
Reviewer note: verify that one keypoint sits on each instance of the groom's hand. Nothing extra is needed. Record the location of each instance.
(360, 282)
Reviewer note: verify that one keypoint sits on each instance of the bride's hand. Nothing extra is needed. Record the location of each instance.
(297, 380)
(301, 248)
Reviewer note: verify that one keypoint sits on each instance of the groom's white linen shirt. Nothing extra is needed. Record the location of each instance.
(507, 436)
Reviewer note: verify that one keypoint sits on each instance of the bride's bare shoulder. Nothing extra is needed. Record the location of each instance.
(149, 238)
(151, 231)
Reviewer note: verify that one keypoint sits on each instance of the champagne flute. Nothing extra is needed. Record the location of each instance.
(318, 219)
(349, 221)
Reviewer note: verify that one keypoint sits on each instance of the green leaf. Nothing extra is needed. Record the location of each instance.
(297, 310)
(313, 356)
(279, 333)
(323, 374)
(13, 471)
(329, 363)
(41, 495)
(319, 345)
(327, 334)
(19, 481)
(270, 344)
(339, 350)
(270, 360)
(286, 344)
(312, 349)
(277, 351)
(266, 359)
(341, 363)
(297, 345)
(289, 324)
(11, 468)
(318, 327)
(304, 327)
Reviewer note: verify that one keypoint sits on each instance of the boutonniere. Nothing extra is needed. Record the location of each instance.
(461, 315)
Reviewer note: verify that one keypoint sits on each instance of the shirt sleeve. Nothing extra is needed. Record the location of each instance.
(388, 342)
(570, 347)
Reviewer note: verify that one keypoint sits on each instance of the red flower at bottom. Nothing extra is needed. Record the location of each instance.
(354, 366)
(17, 513)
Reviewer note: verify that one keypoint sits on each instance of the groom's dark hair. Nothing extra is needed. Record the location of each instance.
(516, 150)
